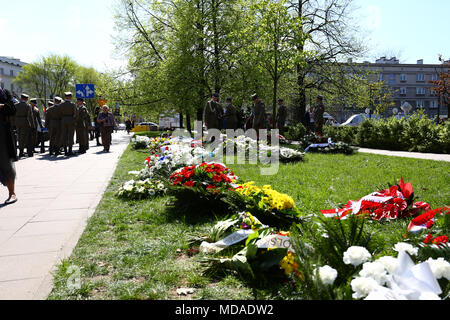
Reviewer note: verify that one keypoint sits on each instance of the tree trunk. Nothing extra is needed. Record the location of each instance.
(188, 123)
(300, 108)
(181, 120)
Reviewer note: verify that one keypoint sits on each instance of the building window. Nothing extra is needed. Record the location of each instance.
(403, 91)
(434, 77)
(392, 78)
(420, 104)
(380, 77)
(11, 73)
(420, 77)
(420, 91)
(403, 77)
(433, 104)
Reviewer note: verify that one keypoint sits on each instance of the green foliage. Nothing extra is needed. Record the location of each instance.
(417, 134)
(296, 132)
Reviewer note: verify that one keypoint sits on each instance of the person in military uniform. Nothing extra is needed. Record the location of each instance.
(68, 111)
(23, 121)
(231, 115)
(82, 126)
(212, 112)
(318, 115)
(36, 132)
(281, 116)
(259, 114)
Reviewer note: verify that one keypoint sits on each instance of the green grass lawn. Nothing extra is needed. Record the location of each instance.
(140, 249)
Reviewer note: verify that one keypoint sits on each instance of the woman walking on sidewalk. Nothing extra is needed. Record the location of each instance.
(108, 124)
(8, 152)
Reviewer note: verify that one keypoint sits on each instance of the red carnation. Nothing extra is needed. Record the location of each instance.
(217, 178)
(440, 240)
(428, 239)
(189, 184)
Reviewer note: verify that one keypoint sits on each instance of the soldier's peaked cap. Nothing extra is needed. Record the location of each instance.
(254, 96)
(80, 99)
(50, 103)
(24, 96)
(34, 100)
(68, 94)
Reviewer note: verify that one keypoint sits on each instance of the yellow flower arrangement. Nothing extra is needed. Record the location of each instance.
(273, 199)
(288, 264)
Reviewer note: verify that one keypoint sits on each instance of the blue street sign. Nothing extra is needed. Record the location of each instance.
(85, 91)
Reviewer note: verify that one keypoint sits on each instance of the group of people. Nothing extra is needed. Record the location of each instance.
(217, 117)
(21, 127)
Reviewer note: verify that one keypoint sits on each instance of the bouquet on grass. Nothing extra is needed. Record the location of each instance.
(229, 232)
(266, 255)
(140, 142)
(393, 203)
(142, 189)
(202, 186)
(433, 228)
(272, 207)
(155, 144)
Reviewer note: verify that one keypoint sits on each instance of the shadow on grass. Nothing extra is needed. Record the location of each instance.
(194, 214)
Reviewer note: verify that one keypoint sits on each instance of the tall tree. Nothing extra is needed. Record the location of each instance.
(331, 35)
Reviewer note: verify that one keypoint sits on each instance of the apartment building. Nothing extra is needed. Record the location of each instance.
(410, 84)
(9, 69)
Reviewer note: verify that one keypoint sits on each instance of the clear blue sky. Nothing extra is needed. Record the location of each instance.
(83, 29)
(414, 29)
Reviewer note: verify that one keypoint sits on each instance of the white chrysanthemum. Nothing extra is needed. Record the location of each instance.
(151, 192)
(328, 275)
(141, 190)
(356, 256)
(376, 271)
(429, 296)
(440, 268)
(362, 287)
(402, 246)
(389, 263)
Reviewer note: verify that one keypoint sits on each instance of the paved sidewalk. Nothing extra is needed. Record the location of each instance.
(416, 155)
(56, 197)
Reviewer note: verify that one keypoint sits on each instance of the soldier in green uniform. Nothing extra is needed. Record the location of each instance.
(68, 111)
(281, 116)
(23, 121)
(36, 132)
(231, 115)
(82, 126)
(48, 125)
(318, 115)
(259, 114)
(211, 113)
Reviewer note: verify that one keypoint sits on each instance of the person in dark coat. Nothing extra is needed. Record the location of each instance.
(231, 115)
(259, 114)
(318, 115)
(281, 116)
(8, 151)
(212, 114)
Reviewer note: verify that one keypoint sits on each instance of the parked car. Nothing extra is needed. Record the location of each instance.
(356, 119)
(329, 120)
(151, 126)
(122, 126)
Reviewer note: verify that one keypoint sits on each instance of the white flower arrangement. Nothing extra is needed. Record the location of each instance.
(376, 271)
(327, 275)
(356, 256)
(406, 247)
(440, 268)
(141, 189)
(362, 287)
(140, 142)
